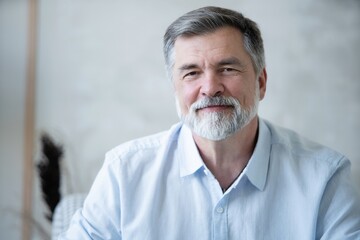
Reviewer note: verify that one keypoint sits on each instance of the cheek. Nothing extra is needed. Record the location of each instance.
(243, 93)
(182, 106)
(185, 96)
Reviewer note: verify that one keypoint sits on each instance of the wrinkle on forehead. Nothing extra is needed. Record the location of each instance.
(218, 48)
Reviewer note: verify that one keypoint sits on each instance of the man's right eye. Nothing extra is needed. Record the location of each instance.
(190, 74)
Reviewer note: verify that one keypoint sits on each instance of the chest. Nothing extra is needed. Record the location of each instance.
(195, 208)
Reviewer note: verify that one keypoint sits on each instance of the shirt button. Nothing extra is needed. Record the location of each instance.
(220, 210)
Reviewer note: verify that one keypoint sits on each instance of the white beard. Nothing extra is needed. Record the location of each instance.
(217, 126)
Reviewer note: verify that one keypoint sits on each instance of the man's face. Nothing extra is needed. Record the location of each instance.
(212, 75)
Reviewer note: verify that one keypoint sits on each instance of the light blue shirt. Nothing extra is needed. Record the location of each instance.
(159, 188)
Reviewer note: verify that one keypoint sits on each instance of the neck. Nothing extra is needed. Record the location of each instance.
(227, 158)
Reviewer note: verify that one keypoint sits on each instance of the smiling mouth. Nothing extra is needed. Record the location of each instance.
(215, 108)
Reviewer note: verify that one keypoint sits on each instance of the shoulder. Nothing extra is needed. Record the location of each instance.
(143, 148)
(304, 152)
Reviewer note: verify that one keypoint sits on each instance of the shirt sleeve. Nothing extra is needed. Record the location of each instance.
(100, 216)
(339, 212)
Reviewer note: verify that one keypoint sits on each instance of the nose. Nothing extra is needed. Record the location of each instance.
(211, 86)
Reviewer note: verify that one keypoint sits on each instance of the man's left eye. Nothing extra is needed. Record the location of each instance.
(228, 70)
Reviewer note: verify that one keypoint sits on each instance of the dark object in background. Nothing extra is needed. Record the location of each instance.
(49, 172)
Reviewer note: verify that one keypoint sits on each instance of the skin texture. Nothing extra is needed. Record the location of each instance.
(211, 65)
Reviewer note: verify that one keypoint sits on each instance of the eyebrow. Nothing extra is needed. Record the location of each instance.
(187, 67)
(230, 61)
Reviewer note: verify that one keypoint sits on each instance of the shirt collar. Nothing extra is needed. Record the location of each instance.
(190, 160)
(256, 170)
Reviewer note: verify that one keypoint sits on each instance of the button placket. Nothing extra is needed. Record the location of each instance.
(220, 221)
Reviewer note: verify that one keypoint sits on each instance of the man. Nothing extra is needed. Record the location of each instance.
(222, 173)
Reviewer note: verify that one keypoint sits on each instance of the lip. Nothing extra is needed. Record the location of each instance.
(215, 108)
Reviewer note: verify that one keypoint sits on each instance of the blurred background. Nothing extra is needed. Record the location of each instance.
(99, 80)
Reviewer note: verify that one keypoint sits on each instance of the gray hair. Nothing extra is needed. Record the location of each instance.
(207, 20)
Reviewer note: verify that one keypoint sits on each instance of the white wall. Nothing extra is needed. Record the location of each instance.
(13, 15)
(101, 78)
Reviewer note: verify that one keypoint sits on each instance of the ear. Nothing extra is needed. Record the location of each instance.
(262, 83)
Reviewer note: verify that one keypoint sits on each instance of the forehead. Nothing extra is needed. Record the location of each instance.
(223, 42)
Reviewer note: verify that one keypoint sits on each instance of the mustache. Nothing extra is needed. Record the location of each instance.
(214, 101)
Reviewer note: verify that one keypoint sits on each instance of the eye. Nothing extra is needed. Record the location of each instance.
(228, 69)
(191, 74)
